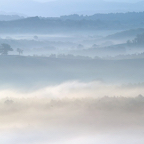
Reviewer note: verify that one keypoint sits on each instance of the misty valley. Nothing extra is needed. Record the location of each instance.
(72, 79)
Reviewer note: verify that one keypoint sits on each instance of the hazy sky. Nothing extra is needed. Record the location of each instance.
(49, 8)
(93, 0)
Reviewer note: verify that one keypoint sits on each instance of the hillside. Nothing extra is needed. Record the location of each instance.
(119, 21)
(26, 71)
(126, 34)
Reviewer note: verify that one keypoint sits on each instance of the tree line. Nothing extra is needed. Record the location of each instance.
(5, 48)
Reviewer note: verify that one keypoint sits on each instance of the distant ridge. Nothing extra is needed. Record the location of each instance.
(107, 16)
(10, 17)
(127, 33)
(112, 21)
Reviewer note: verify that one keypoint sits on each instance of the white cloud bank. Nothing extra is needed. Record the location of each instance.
(64, 103)
(76, 89)
(73, 112)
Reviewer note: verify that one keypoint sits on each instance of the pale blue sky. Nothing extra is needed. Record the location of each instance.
(66, 7)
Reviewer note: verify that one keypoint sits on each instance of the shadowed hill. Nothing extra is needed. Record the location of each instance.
(117, 21)
(32, 70)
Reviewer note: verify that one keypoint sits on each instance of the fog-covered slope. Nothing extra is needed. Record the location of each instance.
(34, 70)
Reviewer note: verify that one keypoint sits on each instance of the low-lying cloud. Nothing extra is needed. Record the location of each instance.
(73, 112)
(107, 113)
(76, 89)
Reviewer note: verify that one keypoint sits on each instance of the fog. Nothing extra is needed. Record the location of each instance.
(74, 89)
(93, 112)
(73, 78)
(82, 120)
(101, 44)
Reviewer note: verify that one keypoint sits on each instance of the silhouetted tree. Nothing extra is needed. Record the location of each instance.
(20, 51)
(5, 48)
